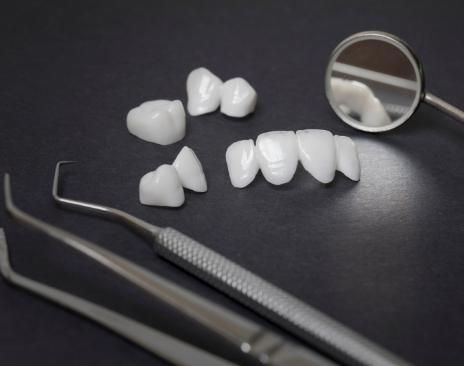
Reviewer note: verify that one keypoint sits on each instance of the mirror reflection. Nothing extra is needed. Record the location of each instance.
(374, 83)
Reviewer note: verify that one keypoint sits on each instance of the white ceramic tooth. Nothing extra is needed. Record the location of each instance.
(351, 93)
(242, 163)
(158, 121)
(190, 170)
(347, 157)
(316, 150)
(238, 98)
(374, 114)
(203, 92)
(277, 155)
(161, 187)
(355, 96)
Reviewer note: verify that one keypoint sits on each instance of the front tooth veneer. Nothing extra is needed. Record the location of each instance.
(277, 155)
(158, 121)
(238, 98)
(316, 149)
(347, 157)
(161, 187)
(203, 92)
(242, 163)
(190, 170)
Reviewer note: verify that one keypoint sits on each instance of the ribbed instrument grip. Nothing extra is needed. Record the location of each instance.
(326, 334)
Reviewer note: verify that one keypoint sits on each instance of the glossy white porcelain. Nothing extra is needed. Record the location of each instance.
(242, 163)
(203, 92)
(347, 157)
(158, 121)
(190, 170)
(161, 187)
(277, 155)
(316, 149)
(358, 97)
(238, 98)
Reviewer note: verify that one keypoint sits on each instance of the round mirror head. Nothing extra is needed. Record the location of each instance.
(374, 82)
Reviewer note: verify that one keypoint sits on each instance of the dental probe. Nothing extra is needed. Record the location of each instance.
(169, 348)
(258, 342)
(292, 314)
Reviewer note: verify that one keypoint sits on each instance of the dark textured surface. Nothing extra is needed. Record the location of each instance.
(385, 256)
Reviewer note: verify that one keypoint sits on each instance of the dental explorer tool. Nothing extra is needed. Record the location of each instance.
(292, 314)
(260, 343)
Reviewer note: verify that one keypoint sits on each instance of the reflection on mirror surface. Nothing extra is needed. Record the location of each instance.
(373, 82)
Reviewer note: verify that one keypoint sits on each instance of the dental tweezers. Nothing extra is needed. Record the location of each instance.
(292, 314)
(169, 348)
(260, 343)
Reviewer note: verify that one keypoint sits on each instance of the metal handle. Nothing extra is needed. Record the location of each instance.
(270, 301)
(443, 106)
(169, 348)
(251, 338)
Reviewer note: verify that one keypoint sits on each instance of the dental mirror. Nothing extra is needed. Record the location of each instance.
(374, 83)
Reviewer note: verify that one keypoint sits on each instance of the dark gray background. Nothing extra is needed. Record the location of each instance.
(385, 255)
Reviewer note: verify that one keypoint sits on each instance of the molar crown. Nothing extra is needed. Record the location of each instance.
(165, 186)
(203, 92)
(161, 187)
(238, 98)
(206, 92)
(158, 121)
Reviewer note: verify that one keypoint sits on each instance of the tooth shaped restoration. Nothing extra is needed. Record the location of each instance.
(374, 114)
(238, 98)
(316, 150)
(242, 163)
(355, 96)
(158, 121)
(277, 155)
(161, 187)
(347, 157)
(190, 170)
(203, 91)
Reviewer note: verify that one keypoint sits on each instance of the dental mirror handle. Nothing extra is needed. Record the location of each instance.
(309, 324)
(443, 106)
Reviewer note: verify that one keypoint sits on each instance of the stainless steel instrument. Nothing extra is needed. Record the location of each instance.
(314, 327)
(169, 348)
(251, 338)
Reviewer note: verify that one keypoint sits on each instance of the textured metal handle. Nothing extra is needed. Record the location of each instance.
(270, 301)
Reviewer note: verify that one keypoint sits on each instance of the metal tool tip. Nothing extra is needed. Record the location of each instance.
(56, 177)
(62, 162)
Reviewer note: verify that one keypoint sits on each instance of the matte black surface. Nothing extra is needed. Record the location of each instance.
(385, 255)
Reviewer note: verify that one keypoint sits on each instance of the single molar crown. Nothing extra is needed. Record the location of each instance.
(238, 98)
(277, 154)
(161, 187)
(165, 186)
(158, 121)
